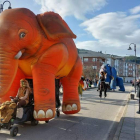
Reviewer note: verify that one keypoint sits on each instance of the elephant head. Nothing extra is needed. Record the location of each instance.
(19, 39)
(21, 35)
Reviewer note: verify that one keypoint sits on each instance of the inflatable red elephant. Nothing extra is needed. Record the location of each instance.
(40, 47)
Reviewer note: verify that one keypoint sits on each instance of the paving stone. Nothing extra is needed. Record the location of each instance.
(128, 124)
(129, 120)
(137, 122)
(125, 139)
(127, 136)
(137, 131)
(130, 130)
(137, 137)
(131, 126)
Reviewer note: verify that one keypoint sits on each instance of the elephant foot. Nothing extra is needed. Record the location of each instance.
(42, 115)
(70, 108)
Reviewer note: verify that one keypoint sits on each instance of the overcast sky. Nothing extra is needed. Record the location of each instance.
(100, 25)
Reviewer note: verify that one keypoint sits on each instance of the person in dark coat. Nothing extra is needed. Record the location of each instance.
(57, 92)
(138, 87)
(102, 84)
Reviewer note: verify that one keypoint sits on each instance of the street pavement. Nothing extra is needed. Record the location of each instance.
(97, 120)
(129, 126)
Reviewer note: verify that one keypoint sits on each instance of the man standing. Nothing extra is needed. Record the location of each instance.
(102, 85)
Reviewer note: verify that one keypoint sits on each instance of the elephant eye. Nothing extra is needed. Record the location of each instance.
(22, 35)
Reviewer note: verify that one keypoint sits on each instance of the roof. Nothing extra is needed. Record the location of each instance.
(114, 56)
(89, 53)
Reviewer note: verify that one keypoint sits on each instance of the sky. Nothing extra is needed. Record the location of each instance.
(109, 26)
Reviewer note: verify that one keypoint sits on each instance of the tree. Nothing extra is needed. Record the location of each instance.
(89, 72)
(130, 58)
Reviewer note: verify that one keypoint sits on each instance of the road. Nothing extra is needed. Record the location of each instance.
(97, 120)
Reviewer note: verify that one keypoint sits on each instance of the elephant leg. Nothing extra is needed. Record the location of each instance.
(71, 102)
(44, 81)
(14, 87)
(44, 94)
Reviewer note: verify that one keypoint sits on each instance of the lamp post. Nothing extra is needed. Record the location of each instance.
(1, 6)
(135, 61)
(135, 71)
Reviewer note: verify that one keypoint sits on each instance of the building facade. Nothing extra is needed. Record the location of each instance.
(91, 58)
(125, 69)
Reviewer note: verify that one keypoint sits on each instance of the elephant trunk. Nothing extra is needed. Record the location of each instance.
(8, 69)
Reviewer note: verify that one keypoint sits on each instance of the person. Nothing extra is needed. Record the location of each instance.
(95, 82)
(102, 84)
(23, 93)
(133, 83)
(98, 84)
(138, 88)
(80, 87)
(57, 92)
(22, 97)
(85, 85)
(90, 83)
(87, 82)
(112, 84)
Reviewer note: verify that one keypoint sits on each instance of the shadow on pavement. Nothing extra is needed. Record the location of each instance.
(67, 127)
(96, 99)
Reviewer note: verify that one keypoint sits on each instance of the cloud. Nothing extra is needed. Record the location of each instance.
(77, 8)
(108, 49)
(135, 10)
(114, 29)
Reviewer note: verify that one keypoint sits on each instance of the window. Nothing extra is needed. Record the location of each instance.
(101, 61)
(94, 67)
(94, 59)
(85, 59)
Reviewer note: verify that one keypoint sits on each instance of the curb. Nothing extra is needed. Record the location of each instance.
(122, 117)
(118, 131)
(116, 126)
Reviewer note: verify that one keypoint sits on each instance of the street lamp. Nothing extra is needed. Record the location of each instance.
(135, 61)
(135, 71)
(1, 6)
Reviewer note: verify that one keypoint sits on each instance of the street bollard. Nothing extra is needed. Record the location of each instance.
(132, 96)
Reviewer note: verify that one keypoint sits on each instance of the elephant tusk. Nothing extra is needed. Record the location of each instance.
(18, 55)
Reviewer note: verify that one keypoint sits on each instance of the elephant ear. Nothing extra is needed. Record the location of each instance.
(54, 26)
